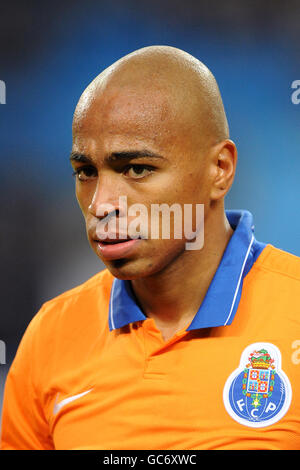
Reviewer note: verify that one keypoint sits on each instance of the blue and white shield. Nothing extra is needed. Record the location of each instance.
(258, 393)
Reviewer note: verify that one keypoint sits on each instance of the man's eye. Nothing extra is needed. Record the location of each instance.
(85, 173)
(137, 171)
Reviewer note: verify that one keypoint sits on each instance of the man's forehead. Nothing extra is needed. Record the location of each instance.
(124, 109)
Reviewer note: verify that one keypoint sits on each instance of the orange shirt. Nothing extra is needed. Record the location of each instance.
(92, 372)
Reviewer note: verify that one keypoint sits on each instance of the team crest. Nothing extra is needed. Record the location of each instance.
(258, 393)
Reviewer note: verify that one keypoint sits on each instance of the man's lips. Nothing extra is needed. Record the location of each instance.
(116, 248)
(112, 241)
(112, 238)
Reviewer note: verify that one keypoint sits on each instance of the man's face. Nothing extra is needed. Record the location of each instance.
(131, 144)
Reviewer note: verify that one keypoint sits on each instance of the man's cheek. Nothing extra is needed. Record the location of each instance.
(83, 203)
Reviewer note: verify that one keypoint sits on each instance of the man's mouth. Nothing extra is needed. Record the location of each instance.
(115, 240)
(112, 242)
(116, 248)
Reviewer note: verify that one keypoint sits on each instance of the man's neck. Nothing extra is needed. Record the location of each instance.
(172, 297)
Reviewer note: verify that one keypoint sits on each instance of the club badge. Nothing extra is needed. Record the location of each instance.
(258, 393)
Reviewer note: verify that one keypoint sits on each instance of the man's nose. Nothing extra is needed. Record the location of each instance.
(105, 199)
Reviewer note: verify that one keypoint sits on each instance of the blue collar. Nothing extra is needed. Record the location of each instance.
(223, 295)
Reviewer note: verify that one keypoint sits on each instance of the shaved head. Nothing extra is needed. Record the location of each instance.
(183, 88)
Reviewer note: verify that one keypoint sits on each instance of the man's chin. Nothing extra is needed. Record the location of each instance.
(145, 263)
(128, 269)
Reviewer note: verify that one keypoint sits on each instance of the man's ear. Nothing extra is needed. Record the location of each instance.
(224, 160)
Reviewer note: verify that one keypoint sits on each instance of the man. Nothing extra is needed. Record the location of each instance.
(169, 347)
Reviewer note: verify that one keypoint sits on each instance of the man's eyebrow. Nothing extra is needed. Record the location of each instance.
(79, 157)
(133, 154)
(117, 156)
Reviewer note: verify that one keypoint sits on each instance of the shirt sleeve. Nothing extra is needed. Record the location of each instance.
(24, 425)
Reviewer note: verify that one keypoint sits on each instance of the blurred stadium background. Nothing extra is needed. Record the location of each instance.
(50, 51)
